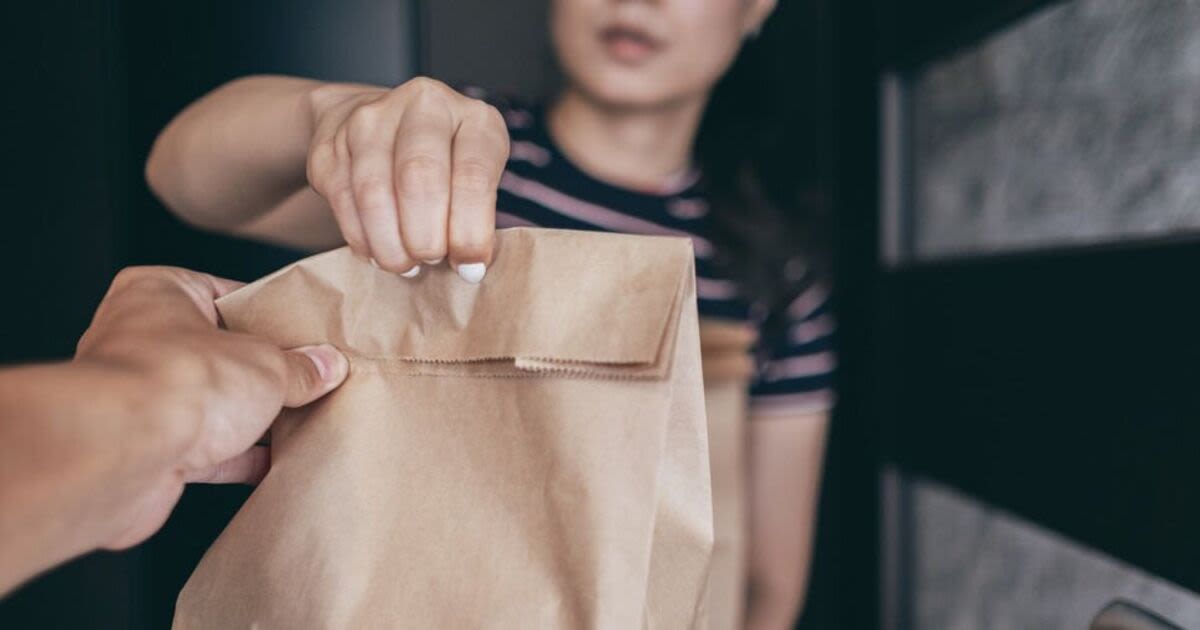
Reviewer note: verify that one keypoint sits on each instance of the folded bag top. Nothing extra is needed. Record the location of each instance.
(603, 311)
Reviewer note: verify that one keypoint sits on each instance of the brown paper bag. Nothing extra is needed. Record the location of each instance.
(529, 452)
(728, 367)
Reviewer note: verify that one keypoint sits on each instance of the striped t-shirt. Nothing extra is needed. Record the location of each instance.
(540, 187)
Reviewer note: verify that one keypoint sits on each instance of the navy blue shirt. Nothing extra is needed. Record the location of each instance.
(541, 187)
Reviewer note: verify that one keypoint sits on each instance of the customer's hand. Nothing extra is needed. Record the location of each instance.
(202, 395)
(411, 173)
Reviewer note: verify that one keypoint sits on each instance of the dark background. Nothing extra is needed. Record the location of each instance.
(1004, 377)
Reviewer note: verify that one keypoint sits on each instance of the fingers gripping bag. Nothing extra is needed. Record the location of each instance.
(527, 452)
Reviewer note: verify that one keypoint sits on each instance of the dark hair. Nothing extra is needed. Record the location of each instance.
(761, 148)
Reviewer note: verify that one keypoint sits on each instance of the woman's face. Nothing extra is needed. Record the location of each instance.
(649, 53)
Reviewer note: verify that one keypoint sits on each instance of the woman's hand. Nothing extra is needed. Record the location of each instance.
(410, 173)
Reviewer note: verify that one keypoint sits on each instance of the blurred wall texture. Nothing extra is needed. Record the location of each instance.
(1078, 125)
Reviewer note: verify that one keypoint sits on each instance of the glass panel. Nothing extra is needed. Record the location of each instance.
(1077, 125)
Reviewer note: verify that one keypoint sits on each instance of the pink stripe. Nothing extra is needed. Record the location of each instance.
(709, 289)
(807, 331)
(526, 151)
(680, 182)
(796, 367)
(809, 301)
(792, 404)
(507, 220)
(687, 208)
(592, 213)
(518, 118)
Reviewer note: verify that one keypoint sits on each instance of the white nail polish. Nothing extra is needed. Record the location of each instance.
(435, 261)
(472, 272)
(412, 273)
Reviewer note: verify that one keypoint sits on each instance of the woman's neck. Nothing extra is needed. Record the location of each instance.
(643, 149)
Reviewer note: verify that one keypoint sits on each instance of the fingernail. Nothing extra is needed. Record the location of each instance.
(472, 272)
(435, 261)
(373, 263)
(412, 273)
(328, 360)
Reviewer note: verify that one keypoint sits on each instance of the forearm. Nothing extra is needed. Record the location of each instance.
(70, 450)
(238, 152)
(786, 456)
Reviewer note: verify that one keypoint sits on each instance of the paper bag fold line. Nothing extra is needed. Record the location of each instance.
(621, 296)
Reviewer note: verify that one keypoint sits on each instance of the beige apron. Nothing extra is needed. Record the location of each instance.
(728, 367)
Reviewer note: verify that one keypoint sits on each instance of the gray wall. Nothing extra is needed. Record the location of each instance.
(500, 46)
(978, 568)
(372, 41)
(1080, 125)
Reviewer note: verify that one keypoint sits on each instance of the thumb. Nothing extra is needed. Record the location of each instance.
(313, 371)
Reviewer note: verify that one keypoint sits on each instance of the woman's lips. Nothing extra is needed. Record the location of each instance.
(629, 45)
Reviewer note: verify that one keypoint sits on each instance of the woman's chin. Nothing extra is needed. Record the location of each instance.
(621, 89)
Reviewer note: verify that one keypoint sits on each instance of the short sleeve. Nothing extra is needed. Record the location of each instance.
(796, 374)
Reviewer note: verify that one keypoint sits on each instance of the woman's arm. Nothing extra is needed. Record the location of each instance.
(236, 158)
(786, 456)
(403, 175)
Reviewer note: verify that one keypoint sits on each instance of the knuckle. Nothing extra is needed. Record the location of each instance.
(428, 95)
(500, 131)
(420, 174)
(340, 196)
(130, 275)
(126, 277)
(367, 114)
(494, 118)
(140, 276)
(364, 123)
(372, 192)
(491, 123)
(321, 161)
(424, 86)
(475, 177)
(483, 112)
(341, 144)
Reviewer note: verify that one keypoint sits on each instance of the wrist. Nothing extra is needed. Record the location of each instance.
(323, 98)
(68, 462)
(156, 428)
